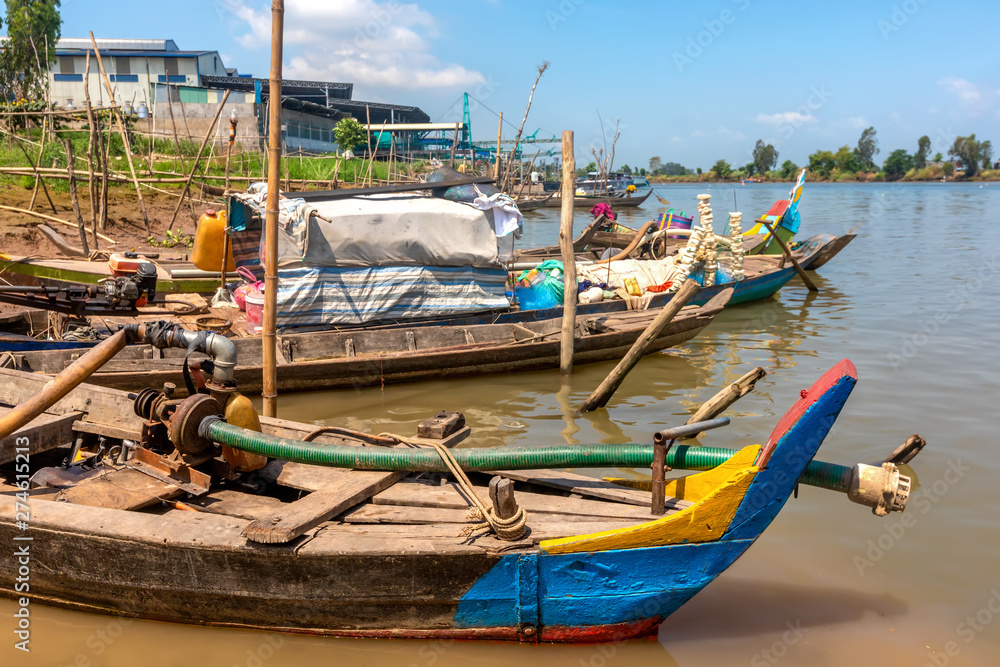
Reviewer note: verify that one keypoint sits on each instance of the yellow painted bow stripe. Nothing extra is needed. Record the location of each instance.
(705, 521)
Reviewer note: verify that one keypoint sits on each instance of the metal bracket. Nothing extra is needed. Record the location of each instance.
(171, 471)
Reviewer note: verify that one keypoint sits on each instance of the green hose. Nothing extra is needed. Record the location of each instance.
(824, 475)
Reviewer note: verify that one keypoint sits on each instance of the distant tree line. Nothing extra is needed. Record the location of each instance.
(847, 163)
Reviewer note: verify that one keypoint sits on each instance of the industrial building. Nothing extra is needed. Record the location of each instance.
(159, 81)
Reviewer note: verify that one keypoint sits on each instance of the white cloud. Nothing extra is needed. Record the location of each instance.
(784, 118)
(932, 110)
(974, 100)
(857, 122)
(966, 91)
(375, 45)
(676, 140)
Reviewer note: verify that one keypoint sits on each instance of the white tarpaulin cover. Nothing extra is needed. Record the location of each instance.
(384, 257)
(387, 230)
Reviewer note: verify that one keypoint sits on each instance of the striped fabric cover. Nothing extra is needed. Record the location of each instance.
(358, 295)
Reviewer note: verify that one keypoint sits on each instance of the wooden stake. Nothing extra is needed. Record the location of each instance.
(91, 185)
(716, 405)
(568, 258)
(788, 253)
(603, 393)
(177, 140)
(72, 196)
(269, 391)
(150, 114)
(454, 145)
(496, 166)
(197, 159)
(121, 130)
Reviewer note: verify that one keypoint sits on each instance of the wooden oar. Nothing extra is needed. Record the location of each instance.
(788, 253)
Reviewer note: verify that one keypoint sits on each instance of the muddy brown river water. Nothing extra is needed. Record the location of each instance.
(913, 302)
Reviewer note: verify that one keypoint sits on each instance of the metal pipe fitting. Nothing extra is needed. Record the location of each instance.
(880, 487)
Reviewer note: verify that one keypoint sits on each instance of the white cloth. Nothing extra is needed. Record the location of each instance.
(647, 273)
(506, 216)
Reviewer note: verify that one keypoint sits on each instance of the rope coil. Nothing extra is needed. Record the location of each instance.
(510, 530)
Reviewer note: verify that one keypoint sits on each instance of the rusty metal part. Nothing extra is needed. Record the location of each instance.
(65, 382)
(170, 470)
(441, 425)
(184, 422)
(881, 488)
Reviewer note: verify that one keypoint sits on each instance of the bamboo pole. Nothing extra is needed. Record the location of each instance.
(541, 70)
(603, 393)
(788, 253)
(72, 196)
(269, 391)
(197, 159)
(496, 166)
(91, 187)
(121, 130)
(568, 258)
(42, 216)
(716, 405)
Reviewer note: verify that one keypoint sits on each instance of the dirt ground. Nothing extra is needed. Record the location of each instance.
(18, 235)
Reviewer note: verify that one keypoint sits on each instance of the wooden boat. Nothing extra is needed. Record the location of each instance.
(764, 276)
(530, 204)
(174, 277)
(830, 251)
(586, 201)
(359, 358)
(367, 553)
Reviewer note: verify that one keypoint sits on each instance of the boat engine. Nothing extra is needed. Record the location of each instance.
(131, 290)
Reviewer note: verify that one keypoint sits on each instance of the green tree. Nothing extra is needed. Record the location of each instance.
(923, 148)
(969, 151)
(937, 157)
(765, 156)
(897, 164)
(867, 149)
(749, 169)
(625, 170)
(948, 168)
(673, 169)
(655, 163)
(33, 28)
(721, 169)
(699, 173)
(642, 172)
(847, 160)
(788, 169)
(986, 154)
(822, 163)
(349, 134)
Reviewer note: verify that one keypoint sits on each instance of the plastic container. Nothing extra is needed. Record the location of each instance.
(255, 312)
(208, 240)
(534, 298)
(592, 295)
(251, 284)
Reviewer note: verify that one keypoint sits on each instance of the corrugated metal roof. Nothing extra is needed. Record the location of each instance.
(118, 44)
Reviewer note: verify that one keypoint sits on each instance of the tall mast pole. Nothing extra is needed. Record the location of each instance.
(270, 392)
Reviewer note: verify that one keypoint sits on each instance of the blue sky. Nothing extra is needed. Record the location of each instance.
(691, 82)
